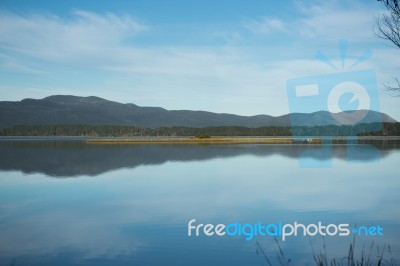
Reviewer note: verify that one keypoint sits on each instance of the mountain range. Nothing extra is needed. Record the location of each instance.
(68, 109)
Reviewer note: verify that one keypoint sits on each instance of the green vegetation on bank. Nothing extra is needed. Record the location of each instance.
(202, 136)
(195, 140)
(388, 129)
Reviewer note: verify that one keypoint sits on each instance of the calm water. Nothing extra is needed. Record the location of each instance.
(67, 203)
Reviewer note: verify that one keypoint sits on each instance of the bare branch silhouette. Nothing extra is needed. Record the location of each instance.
(387, 27)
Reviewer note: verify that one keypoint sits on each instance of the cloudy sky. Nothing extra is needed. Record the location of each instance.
(220, 56)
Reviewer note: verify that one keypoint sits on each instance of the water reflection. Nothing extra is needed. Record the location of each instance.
(75, 158)
(136, 211)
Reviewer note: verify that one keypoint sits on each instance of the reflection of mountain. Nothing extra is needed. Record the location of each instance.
(73, 158)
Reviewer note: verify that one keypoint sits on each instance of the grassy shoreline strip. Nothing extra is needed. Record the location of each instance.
(213, 140)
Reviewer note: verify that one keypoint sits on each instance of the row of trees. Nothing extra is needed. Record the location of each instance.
(371, 129)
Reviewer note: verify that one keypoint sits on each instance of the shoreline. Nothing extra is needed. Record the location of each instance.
(300, 140)
(212, 140)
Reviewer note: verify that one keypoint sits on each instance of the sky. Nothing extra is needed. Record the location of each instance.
(220, 56)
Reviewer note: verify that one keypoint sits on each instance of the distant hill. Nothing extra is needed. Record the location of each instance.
(67, 109)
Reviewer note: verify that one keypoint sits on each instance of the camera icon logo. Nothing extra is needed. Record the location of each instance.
(360, 96)
(347, 96)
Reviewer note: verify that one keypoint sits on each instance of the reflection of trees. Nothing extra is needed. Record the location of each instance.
(73, 158)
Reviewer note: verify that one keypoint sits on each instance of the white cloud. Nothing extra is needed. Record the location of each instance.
(8, 62)
(230, 37)
(333, 21)
(264, 25)
(48, 37)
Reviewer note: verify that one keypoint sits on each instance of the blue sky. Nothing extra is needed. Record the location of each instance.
(220, 56)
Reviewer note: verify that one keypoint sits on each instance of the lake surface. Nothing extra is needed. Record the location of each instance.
(63, 202)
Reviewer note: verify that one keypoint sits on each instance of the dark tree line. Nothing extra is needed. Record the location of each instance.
(371, 129)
